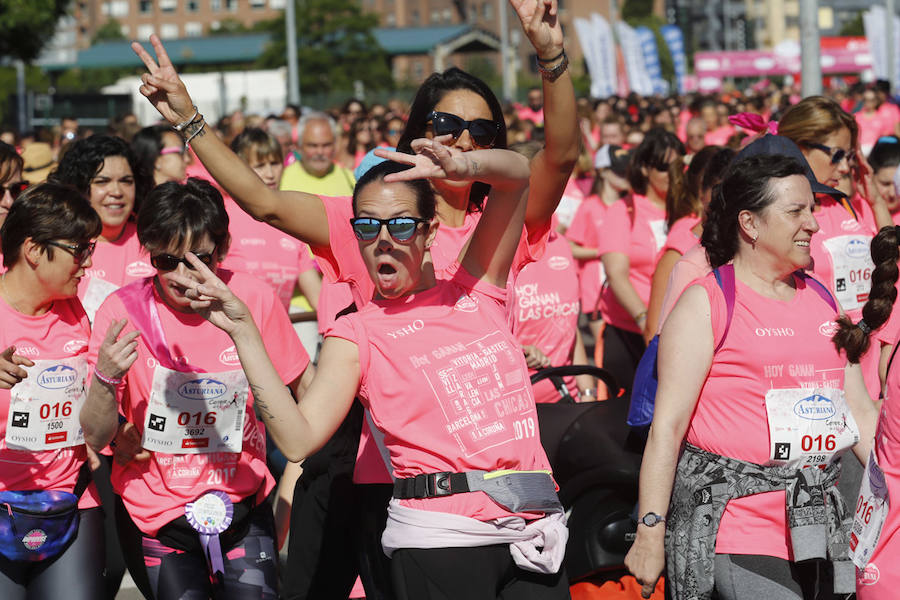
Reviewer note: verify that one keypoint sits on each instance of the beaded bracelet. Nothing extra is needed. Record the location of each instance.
(107, 380)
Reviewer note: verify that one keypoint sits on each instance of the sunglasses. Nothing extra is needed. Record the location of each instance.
(167, 262)
(400, 228)
(80, 252)
(483, 131)
(836, 154)
(14, 188)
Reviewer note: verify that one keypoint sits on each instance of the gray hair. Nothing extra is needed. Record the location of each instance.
(279, 128)
(317, 116)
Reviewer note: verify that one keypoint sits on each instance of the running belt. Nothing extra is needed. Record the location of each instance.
(517, 491)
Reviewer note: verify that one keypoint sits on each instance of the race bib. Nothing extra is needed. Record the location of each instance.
(808, 427)
(852, 269)
(44, 407)
(97, 291)
(660, 231)
(872, 507)
(195, 413)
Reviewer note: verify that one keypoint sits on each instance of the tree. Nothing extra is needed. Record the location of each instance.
(27, 25)
(854, 27)
(335, 47)
(108, 32)
(636, 9)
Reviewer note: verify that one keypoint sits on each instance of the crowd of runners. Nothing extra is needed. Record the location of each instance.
(310, 335)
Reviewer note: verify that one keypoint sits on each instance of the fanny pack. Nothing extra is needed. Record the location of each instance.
(516, 491)
(39, 524)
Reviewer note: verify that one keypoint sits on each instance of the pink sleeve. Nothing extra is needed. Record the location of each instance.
(532, 244)
(615, 235)
(305, 259)
(718, 309)
(458, 275)
(583, 229)
(340, 258)
(680, 238)
(683, 274)
(349, 328)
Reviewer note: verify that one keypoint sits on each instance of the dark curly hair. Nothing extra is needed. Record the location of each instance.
(84, 158)
(430, 93)
(746, 185)
(850, 337)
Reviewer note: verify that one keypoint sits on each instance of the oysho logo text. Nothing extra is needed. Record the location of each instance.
(413, 327)
(774, 332)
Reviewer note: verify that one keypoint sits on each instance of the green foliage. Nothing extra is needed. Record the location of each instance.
(335, 47)
(26, 25)
(35, 81)
(636, 9)
(76, 80)
(485, 69)
(854, 27)
(230, 27)
(108, 32)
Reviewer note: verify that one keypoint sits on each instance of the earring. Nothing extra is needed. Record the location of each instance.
(753, 240)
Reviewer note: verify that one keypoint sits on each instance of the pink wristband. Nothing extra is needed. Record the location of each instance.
(105, 379)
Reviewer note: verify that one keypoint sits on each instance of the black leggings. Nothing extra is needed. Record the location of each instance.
(622, 351)
(115, 564)
(75, 574)
(165, 573)
(481, 573)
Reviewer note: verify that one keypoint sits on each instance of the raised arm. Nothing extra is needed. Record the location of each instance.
(296, 213)
(298, 429)
(551, 167)
(490, 251)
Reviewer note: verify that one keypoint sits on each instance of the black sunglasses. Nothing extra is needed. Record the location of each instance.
(483, 131)
(836, 154)
(14, 188)
(167, 262)
(400, 228)
(80, 252)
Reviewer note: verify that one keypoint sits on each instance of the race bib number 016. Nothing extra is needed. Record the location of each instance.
(853, 268)
(808, 427)
(872, 507)
(195, 413)
(44, 407)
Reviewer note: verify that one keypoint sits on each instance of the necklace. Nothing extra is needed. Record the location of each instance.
(15, 305)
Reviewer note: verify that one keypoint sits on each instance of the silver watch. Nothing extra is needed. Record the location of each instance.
(651, 519)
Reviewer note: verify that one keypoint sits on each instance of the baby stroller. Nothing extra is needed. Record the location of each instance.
(596, 462)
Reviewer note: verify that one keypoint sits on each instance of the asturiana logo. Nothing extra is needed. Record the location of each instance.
(202, 389)
(814, 408)
(466, 303)
(857, 248)
(868, 576)
(229, 356)
(139, 269)
(558, 263)
(57, 377)
(74, 346)
(829, 328)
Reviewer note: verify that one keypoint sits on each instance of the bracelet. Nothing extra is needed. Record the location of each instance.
(553, 74)
(640, 315)
(196, 133)
(589, 393)
(550, 60)
(105, 379)
(184, 124)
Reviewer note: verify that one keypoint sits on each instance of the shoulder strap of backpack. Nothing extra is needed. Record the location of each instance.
(820, 289)
(725, 278)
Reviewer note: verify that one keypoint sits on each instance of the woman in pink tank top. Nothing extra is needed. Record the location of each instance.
(752, 389)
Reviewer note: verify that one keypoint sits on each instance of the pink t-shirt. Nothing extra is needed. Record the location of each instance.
(60, 333)
(871, 127)
(155, 491)
(681, 238)
(692, 265)
(113, 265)
(544, 310)
(719, 136)
(341, 261)
(770, 344)
(585, 231)
(882, 578)
(640, 234)
(261, 250)
(446, 382)
(890, 114)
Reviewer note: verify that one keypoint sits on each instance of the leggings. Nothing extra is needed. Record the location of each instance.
(165, 573)
(75, 574)
(115, 564)
(480, 573)
(622, 351)
(751, 577)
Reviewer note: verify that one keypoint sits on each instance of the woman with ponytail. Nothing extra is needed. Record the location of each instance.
(747, 501)
(877, 543)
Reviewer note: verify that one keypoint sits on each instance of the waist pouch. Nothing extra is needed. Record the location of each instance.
(179, 534)
(37, 524)
(516, 491)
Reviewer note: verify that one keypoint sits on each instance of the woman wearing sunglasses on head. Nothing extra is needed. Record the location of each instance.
(160, 151)
(47, 241)
(828, 138)
(177, 378)
(433, 360)
(11, 182)
(105, 170)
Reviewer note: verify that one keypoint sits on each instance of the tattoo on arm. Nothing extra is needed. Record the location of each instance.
(260, 402)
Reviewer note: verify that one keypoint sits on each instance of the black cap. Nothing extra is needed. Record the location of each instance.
(614, 158)
(773, 145)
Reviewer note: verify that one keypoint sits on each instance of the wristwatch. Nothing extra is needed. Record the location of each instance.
(651, 519)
